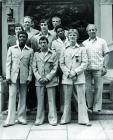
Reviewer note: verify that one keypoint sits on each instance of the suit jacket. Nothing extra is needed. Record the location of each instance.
(19, 63)
(45, 67)
(75, 61)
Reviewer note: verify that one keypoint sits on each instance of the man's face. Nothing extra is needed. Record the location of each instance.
(60, 32)
(27, 23)
(18, 29)
(22, 39)
(43, 44)
(73, 37)
(44, 26)
(56, 21)
(91, 31)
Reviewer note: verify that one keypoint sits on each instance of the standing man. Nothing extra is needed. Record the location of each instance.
(18, 75)
(45, 65)
(30, 31)
(73, 62)
(56, 21)
(97, 51)
(59, 46)
(44, 31)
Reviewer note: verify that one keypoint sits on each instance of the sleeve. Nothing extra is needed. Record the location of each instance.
(54, 70)
(8, 64)
(30, 66)
(65, 70)
(84, 62)
(53, 46)
(35, 68)
(105, 48)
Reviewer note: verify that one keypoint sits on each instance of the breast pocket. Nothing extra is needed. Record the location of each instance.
(77, 58)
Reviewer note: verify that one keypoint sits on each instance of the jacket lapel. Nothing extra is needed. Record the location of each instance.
(47, 56)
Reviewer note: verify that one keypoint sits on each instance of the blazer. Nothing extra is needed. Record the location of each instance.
(45, 67)
(19, 63)
(73, 60)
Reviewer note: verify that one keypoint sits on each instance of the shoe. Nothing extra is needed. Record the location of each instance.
(53, 124)
(63, 122)
(37, 124)
(90, 110)
(86, 124)
(7, 125)
(96, 111)
(20, 122)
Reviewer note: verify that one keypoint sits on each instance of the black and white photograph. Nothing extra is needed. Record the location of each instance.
(56, 69)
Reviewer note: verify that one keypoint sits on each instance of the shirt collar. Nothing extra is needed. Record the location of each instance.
(93, 39)
(76, 46)
(25, 47)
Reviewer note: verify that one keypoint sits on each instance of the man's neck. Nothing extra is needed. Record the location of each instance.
(45, 32)
(63, 38)
(21, 46)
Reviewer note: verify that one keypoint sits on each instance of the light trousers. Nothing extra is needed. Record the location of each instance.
(52, 115)
(12, 103)
(82, 108)
(94, 99)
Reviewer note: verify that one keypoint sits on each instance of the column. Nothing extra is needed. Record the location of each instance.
(106, 21)
(18, 10)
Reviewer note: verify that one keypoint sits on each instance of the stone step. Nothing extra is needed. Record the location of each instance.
(103, 115)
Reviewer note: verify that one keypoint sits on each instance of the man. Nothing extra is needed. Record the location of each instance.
(55, 22)
(44, 31)
(13, 39)
(18, 75)
(31, 94)
(44, 67)
(28, 27)
(30, 31)
(73, 62)
(58, 46)
(97, 51)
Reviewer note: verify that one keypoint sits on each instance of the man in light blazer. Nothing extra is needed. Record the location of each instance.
(18, 76)
(45, 65)
(73, 62)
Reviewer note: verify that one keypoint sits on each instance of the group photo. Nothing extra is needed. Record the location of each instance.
(56, 70)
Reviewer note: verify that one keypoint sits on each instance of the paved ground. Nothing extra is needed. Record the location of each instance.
(100, 130)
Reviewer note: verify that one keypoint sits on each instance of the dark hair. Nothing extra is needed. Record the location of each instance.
(23, 32)
(43, 20)
(19, 25)
(57, 27)
(43, 38)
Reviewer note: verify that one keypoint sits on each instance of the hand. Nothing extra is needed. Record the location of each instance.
(74, 78)
(28, 82)
(41, 81)
(104, 71)
(8, 81)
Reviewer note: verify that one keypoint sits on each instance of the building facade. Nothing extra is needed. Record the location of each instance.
(100, 13)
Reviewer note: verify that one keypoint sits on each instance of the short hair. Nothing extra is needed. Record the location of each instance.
(28, 17)
(74, 31)
(57, 27)
(43, 38)
(43, 21)
(19, 25)
(56, 17)
(23, 32)
(91, 25)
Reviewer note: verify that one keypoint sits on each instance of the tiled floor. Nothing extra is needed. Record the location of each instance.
(100, 130)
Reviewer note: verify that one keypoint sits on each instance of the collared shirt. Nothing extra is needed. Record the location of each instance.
(96, 50)
(49, 36)
(58, 45)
